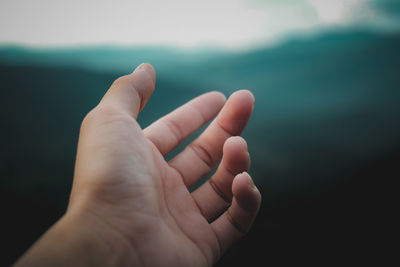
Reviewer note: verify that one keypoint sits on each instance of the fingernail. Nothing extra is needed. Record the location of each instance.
(254, 100)
(147, 68)
(248, 161)
(139, 67)
(249, 180)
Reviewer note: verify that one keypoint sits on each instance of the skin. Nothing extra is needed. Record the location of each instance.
(129, 207)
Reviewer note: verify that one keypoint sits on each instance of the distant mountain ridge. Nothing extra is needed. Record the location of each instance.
(334, 81)
(116, 59)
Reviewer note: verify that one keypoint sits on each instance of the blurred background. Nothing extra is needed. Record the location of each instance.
(324, 137)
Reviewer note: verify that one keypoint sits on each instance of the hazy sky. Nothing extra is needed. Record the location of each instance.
(227, 23)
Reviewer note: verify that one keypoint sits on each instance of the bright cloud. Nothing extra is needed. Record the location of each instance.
(339, 11)
(227, 23)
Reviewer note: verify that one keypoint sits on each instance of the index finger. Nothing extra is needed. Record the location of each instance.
(202, 154)
(169, 131)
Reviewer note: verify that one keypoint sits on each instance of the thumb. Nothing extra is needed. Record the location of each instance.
(131, 92)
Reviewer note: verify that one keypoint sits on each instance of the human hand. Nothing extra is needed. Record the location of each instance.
(130, 207)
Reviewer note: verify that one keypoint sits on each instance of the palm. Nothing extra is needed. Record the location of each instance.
(180, 220)
(148, 199)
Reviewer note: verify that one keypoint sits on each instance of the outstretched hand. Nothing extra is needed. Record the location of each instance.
(130, 207)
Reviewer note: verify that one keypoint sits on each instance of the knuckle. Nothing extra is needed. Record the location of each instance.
(106, 111)
(122, 80)
(102, 114)
(89, 117)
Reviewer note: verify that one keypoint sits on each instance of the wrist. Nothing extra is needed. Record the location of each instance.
(78, 239)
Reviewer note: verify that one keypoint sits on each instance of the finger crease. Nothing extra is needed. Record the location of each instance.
(203, 154)
(230, 133)
(218, 254)
(140, 94)
(219, 192)
(230, 171)
(202, 117)
(132, 88)
(175, 129)
(198, 207)
(234, 223)
(178, 171)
